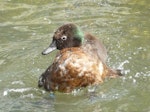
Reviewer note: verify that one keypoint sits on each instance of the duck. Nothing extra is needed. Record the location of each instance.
(79, 62)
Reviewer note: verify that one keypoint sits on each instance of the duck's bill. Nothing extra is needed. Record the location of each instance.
(51, 48)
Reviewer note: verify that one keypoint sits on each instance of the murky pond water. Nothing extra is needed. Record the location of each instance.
(25, 30)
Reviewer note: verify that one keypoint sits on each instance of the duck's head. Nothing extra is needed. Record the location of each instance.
(68, 35)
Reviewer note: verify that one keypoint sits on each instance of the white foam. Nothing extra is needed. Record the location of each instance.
(122, 64)
(28, 96)
(21, 90)
(18, 82)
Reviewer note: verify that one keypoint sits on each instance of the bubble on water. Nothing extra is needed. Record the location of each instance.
(137, 75)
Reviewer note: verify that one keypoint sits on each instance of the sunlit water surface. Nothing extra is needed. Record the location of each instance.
(25, 30)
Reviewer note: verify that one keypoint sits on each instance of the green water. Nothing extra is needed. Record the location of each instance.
(25, 30)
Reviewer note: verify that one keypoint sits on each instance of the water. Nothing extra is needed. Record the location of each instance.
(25, 30)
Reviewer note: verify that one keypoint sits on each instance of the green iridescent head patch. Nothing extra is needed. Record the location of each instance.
(79, 34)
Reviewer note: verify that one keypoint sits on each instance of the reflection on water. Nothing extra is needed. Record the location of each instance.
(25, 30)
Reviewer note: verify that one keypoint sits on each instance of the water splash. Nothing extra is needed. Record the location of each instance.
(21, 90)
(122, 64)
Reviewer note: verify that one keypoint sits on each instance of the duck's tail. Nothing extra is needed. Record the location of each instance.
(119, 72)
(112, 73)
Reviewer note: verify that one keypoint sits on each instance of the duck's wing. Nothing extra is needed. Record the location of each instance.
(96, 47)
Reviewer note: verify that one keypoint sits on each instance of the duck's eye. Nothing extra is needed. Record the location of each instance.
(64, 37)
